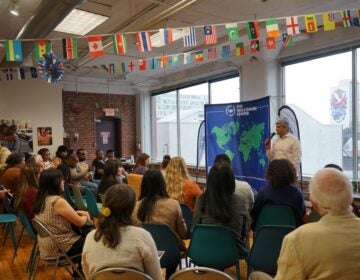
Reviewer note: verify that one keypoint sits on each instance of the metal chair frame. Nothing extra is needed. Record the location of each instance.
(119, 273)
(200, 273)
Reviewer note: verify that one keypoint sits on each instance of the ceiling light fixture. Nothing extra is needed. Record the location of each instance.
(14, 10)
(80, 22)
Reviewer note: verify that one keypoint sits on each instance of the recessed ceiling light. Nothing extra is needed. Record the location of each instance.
(14, 10)
(80, 22)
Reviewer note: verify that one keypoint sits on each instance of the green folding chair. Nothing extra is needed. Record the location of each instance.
(79, 201)
(93, 207)
(275, 215)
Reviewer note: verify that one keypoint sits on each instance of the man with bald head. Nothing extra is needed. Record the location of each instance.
(286, 146)
(330, 248)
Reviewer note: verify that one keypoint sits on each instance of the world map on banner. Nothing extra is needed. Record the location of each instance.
(239, 130)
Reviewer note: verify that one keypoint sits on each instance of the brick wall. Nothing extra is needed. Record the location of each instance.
(80, 110)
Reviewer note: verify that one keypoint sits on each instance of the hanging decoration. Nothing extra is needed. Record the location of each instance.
(50, 68)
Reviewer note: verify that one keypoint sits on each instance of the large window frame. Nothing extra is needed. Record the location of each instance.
(178, 89)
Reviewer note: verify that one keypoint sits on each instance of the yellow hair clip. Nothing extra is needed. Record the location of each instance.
(106, 212)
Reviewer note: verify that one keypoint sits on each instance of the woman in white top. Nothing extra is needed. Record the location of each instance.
(116, 242)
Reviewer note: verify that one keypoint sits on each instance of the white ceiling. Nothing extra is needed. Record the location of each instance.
(138, 15)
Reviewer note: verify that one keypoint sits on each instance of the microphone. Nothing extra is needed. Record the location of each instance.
(272, 135)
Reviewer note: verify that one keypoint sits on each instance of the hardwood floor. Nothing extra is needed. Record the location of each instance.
(16, 270)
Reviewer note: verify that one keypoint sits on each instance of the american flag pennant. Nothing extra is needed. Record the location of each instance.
(212, 53)
(189, 37)
(210, 34)
(143, 41)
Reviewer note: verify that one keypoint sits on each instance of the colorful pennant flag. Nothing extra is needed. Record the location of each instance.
(346, 18)
(143, 41)
(310, 24)
(33, 72)
(210, 34)
(212, 53)
(254, 46)
(111, 69)
(287, 40)
(225, 51)
(272, 27)
(253, 30)
(329, 21)
(164, 62)
(95, 46)
(119, 43)
(122, 68)
(356, 20)
(142, 64)
(152, 63)
(9, 74)
(199, 56)
(21, 73)
(70, 48)
(175, 60)
(166, 36)
(232, 31)
(41, 47)
(187, 58)
(13, 50)
(270, 43)
(131, 66)
(292, 26)
(189, 37)
(240, 50)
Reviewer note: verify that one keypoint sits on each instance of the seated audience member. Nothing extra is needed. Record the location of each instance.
(178, 184)
(116, 241)
(280, 190)
(45, 154)
(142, 164)
(112, 175)
(10, 175)
(9, 138)
(110, 154)
(4, 153)
(165, 163)
(98, 164)
(57, 214)
(28, 188)
(155, 206)
(220, 205)
(327, 249)
(61, 153)
(242, 188)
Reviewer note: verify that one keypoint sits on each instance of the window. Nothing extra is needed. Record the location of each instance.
(177, 114)
(320, 92)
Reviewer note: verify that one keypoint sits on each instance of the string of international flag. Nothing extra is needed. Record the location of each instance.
(330, 21)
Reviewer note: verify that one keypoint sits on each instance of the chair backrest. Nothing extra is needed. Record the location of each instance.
(275, 215)
(134, 181)
(213, 246)
(199, 273)
(79, 199)
(119, 273)
(266, 248)
(68, 197)
(91, 203)
(188, 217)
(27, 225)
(165, 241)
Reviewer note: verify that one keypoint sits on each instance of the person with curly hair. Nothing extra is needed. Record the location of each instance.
(280, 190)
(178, 183)
(116, 241)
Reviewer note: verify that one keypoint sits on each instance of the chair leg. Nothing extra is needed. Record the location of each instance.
(34, 267)
(18, 243)
(32, 257)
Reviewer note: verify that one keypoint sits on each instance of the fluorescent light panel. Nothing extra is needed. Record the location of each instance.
(80, 22)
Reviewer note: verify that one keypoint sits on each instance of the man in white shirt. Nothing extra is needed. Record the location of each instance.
(286, 146)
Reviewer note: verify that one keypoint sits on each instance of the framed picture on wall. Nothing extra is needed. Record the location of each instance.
(44, 135)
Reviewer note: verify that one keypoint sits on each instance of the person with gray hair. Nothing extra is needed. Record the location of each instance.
(286, 146)
(330, 248)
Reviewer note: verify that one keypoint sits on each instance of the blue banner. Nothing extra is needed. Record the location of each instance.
(239, 130)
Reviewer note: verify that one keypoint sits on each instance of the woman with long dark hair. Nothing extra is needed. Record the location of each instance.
(155, 206)
(116, 241)
(112, 175)
(57, 214)
(220, 205)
